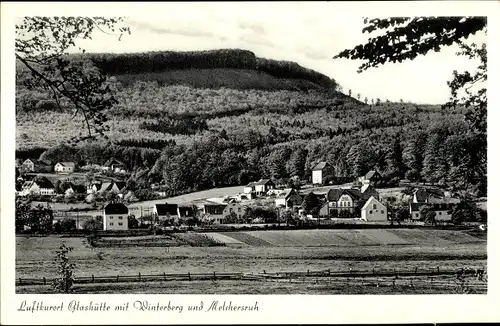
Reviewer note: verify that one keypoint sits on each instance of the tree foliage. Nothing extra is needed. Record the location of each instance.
(40, 45)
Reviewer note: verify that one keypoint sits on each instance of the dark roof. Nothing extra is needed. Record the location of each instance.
(334, 194)
(288, 192)
(186, 211)
(164, 209)
(370, 174)
(262, 182)
(115, 209)
(423, 194)
(67, 164)
(251, 184)
(43, 182)
(320, 166)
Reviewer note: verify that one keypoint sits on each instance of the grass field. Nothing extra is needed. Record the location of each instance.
(35, 255)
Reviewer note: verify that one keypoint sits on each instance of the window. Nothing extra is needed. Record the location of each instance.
(416, 215)
(374, 206)
(120, 223)
(111, 217)
(439, 213)
(239, 209)
(120, 217)
(370, 212)
(382, 211)
(110, 224)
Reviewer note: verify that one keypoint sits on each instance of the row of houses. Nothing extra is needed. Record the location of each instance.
(38, 166)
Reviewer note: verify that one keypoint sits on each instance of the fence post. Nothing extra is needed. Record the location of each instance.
(164, 276)
(93, 279)
(44, 281)
(307, 272)
(20, 281)
(117, 278)
(328, 272)
(416, 268)
(215, 277)
(189, 275)
(373, 270)
(139, 276)
(438, 269)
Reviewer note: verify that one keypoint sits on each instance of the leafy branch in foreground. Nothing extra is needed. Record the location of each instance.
(40, 45)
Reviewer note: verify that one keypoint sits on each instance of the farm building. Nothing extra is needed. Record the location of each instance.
(369, 191)
(38, 186)
(374, 210)
(263, 186)
(115, 217)
(107, 187)
(443, 210)
(321, 172)
(64, 167)
(166, 211)
(288, 198)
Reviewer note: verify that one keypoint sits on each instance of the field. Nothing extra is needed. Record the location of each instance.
(258, 251)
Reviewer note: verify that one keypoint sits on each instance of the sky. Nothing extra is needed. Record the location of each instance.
(307, 33)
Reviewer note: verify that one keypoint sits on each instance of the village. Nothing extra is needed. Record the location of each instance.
(101, 200)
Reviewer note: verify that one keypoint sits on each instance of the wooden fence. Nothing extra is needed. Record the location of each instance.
(256, 276)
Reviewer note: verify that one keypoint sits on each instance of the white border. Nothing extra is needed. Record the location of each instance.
(276, 308)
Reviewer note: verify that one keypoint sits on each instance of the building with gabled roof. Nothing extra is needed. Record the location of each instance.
(115, 217)
(321, 172)
(263, 186)
(288, 198)
(64, 167)
(374, 210)
(342, 200)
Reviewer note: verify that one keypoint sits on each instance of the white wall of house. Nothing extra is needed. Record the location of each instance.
(443, 215)
(247, 190)
(280, 201)
(115, 222)
(345, 201)
(317, 177)
(59, 168)
(260, 189)
(374, 210)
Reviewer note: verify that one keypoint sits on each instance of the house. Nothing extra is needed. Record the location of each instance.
(423, 195)
(371, 178)
(166, 211)
(369, 191)
(211, 210)
(249, 188)
(263, 186)
(115, 217)
(289, 198)
(115, 187)
(38, 186)
(35, 166)
(236, 208)
(373, 210)
(342, 200)
(69, 192)
(321, 172)
(64, 167)
(185, 211)
(443, 210)
(115, 165)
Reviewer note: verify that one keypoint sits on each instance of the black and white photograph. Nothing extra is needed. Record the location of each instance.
(249, 149)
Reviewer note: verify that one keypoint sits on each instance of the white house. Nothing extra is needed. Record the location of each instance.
(288, 198)
(320, 172)
(249, 188)
(64, 167)
(42, 186)
(115, 217)
(374, 210)
(263, 186)
(443, 210)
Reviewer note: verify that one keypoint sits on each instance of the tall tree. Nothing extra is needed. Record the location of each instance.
(405, 38)
(40, 46)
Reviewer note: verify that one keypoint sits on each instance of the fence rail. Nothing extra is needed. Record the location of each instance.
(256, 276)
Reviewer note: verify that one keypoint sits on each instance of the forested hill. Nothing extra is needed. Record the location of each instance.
(197, 120)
